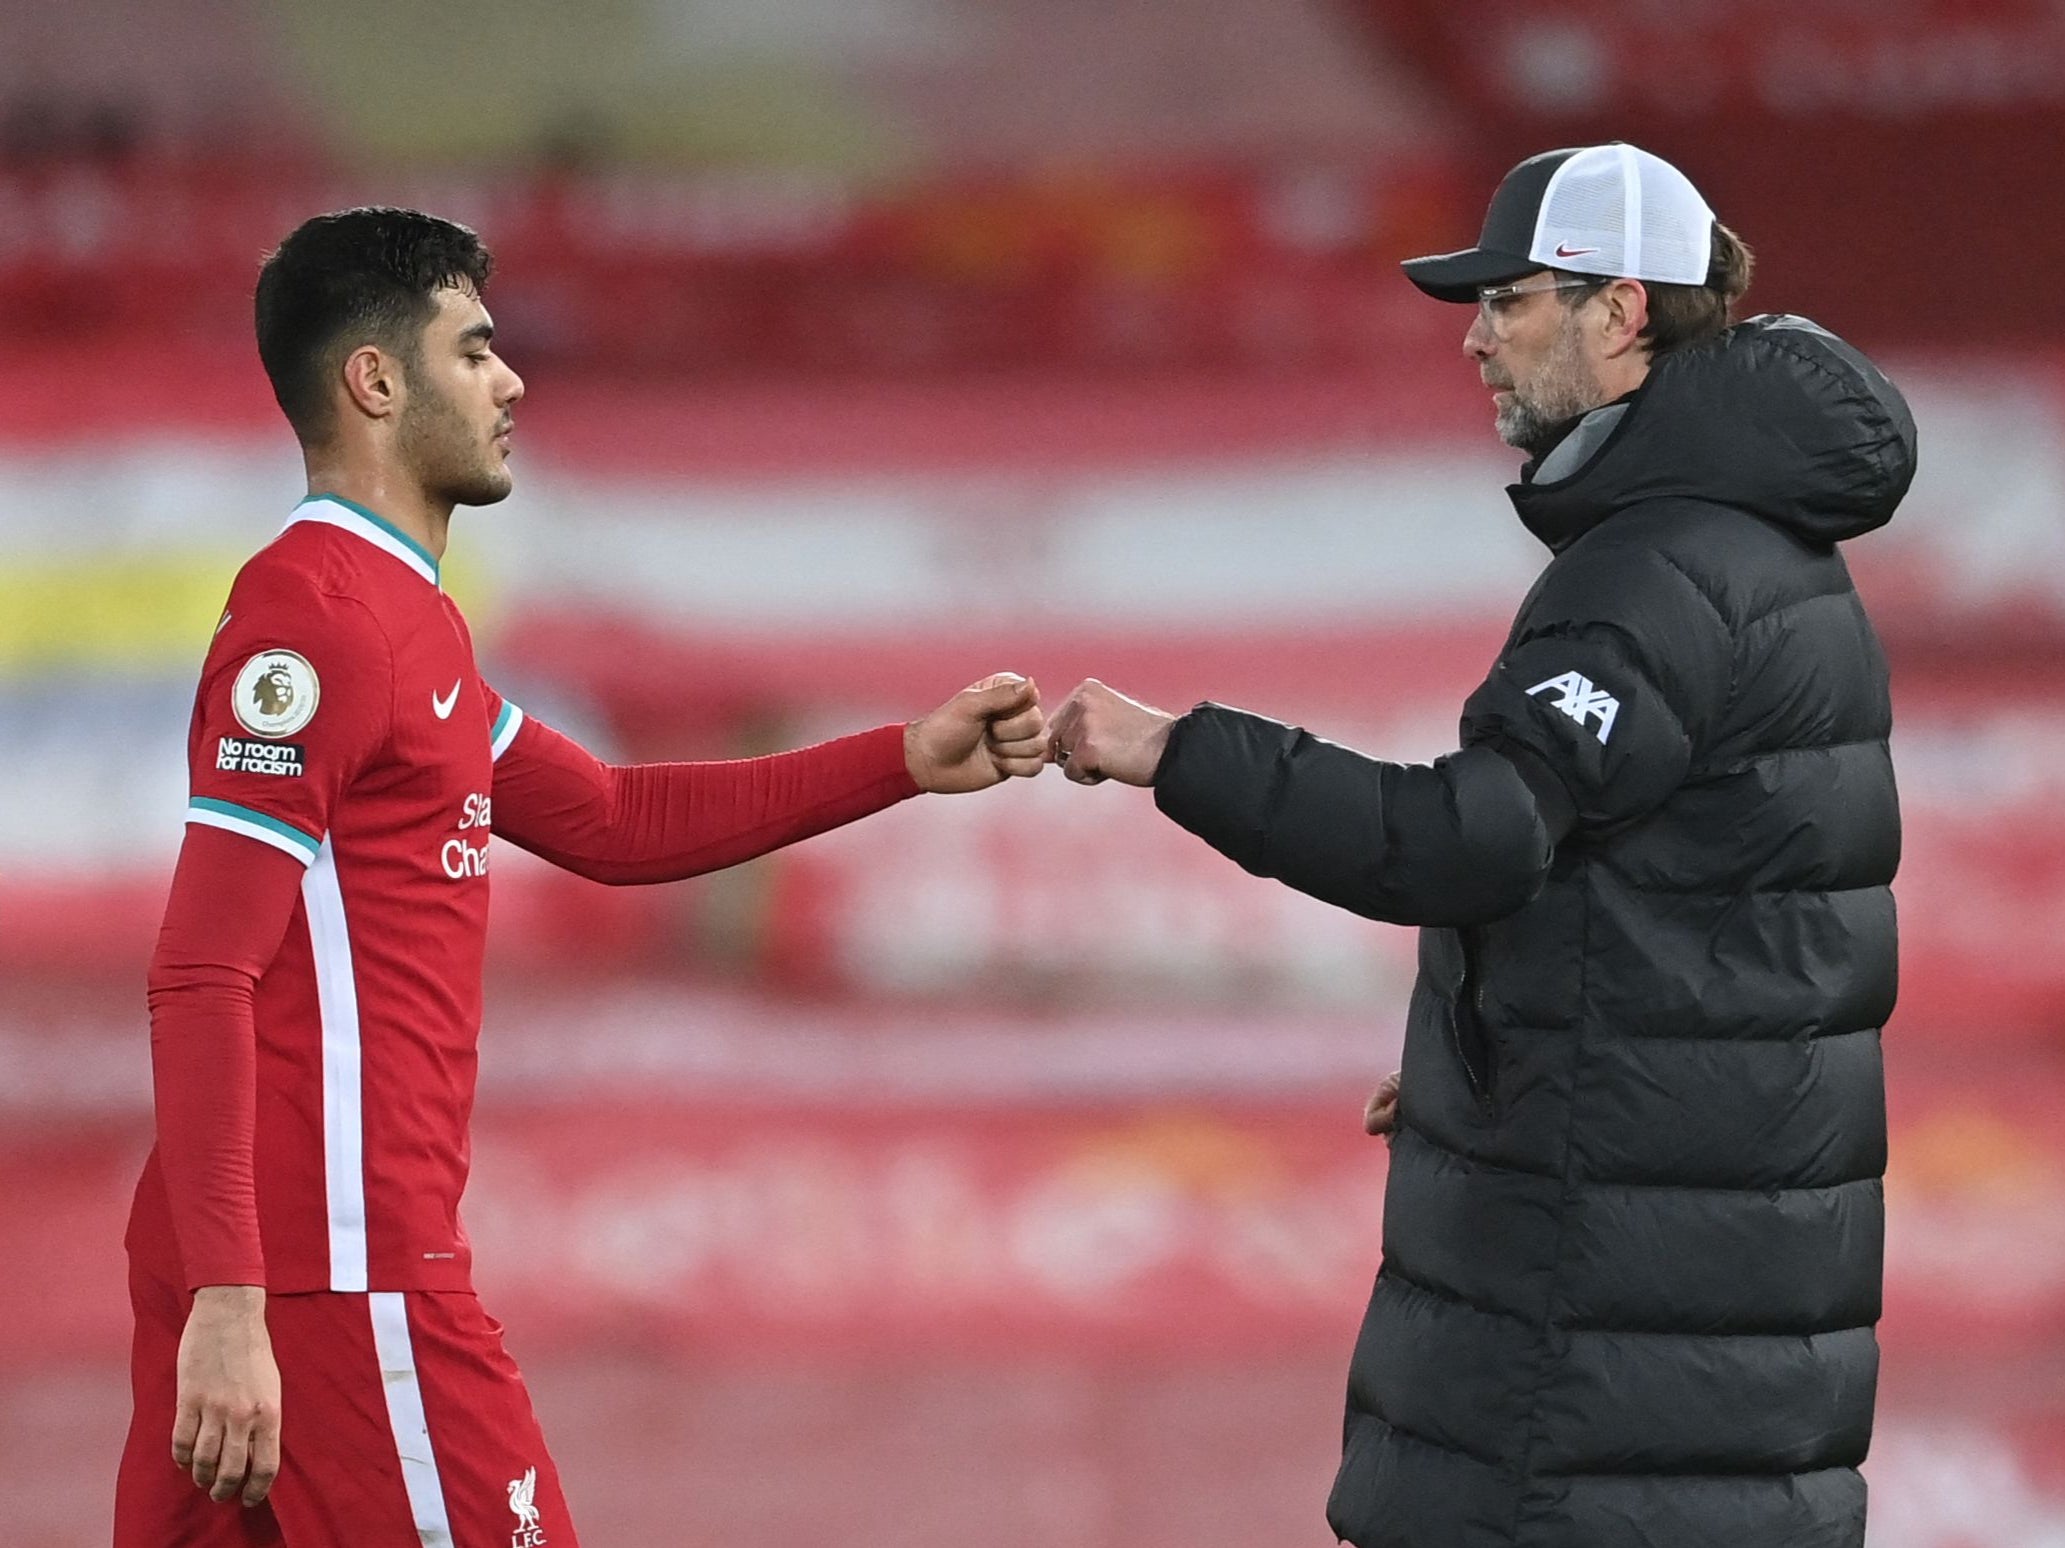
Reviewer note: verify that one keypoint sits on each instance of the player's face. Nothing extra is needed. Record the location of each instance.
(455, 429)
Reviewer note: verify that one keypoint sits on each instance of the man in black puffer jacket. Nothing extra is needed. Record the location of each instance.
(1633, 1228)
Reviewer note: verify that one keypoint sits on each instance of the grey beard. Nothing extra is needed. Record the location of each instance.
(1526, 427)
(1562, 390)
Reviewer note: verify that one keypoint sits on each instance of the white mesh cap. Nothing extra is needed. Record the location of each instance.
(1616, 210)
(1609, 210)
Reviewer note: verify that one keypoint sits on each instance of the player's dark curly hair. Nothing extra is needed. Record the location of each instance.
(365, 276)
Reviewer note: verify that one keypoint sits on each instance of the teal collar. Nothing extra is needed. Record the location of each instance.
(336, 511)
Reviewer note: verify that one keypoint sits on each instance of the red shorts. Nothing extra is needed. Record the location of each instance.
(403, 1424)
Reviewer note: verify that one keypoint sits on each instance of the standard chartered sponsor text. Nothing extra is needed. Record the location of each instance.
(459, 858)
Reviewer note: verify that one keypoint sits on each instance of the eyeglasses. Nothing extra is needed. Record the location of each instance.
(1492, 300)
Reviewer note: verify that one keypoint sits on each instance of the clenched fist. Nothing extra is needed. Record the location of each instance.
(982, 736)
(1380, 1113)
(1101, 734)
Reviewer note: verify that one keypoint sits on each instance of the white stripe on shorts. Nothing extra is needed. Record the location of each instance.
(405, 1416)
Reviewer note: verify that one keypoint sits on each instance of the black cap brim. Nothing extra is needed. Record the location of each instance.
(1457, 276)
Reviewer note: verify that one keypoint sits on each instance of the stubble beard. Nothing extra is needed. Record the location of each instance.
(451, 464)
(1563, 388)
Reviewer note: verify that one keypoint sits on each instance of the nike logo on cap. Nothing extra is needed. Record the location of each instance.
(1573, 252)
(443, 706)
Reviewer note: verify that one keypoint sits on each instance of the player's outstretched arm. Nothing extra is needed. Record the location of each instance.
(654, 822)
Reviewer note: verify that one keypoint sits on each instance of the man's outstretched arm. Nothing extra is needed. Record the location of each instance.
(1460, 841)
(1454, 843)
(1616, 672)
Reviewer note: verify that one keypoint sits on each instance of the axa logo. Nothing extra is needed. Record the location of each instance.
(1581, 701)
(523, 1502)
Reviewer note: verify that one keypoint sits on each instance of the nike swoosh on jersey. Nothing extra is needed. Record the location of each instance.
(443, 706)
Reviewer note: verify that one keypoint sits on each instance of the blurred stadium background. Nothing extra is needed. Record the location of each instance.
(991, 1170)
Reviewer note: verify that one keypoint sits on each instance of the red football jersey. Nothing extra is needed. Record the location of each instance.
(341, 721)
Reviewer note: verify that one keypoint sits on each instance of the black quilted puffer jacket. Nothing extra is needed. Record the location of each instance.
(1633, 1226)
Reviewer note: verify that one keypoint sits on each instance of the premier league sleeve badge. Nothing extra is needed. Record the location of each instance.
(275, 694)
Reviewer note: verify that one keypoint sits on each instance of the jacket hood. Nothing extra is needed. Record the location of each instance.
(1777, 417)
